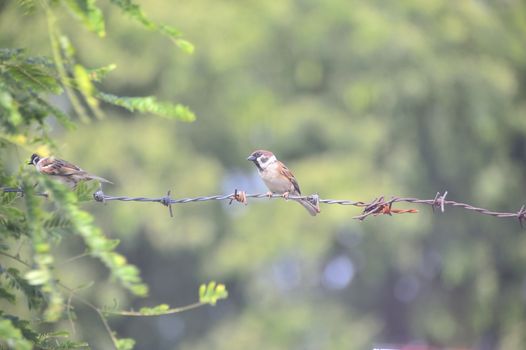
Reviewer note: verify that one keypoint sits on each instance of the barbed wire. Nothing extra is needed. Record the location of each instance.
(378, 206)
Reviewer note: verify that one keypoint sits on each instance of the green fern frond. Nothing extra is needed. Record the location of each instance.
(150, 104)
(134, 11)
(57, 221)
(32, 76)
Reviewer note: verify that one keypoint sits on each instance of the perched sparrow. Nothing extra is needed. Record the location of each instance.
(278, 178)
(66, 172)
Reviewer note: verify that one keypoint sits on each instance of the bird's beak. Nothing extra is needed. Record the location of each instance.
(251, 158)
(30, 163)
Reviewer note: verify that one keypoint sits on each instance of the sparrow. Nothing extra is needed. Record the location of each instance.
(279, 179)
(64, 171)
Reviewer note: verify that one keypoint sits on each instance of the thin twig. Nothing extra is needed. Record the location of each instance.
(160, 313)
(16, 258)
(69, 313)
(73, 258)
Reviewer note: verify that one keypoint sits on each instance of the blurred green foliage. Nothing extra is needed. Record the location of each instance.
(32, 233)
(359, 99)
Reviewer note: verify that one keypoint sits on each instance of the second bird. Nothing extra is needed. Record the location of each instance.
(62, 170)
(279, 178)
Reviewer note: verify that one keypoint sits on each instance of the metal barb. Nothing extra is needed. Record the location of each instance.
(390, 206)
(442, 201)
(314, 199)
(167, 202)
(371, 208)
(435, 201)
(521, 216)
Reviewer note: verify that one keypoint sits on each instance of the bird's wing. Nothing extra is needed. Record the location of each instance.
(288, 174)
(53, 166)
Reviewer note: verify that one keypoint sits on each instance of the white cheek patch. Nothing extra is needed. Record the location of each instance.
(264, 161)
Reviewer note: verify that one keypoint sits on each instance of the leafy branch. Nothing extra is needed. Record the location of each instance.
(209, 294)
(93, 18)
(134, 11)
(26, 83)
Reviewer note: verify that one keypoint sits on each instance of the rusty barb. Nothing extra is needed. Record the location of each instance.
(378, 206)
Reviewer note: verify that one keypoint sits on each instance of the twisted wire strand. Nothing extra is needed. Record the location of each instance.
(375, 207)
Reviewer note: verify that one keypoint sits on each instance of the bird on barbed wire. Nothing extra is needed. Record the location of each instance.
(64, 171)
(279, 179)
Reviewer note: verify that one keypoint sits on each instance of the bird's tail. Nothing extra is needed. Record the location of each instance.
(98, 178)
(312, 208)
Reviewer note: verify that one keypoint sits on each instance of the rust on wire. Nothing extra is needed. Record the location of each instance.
(378, 206)
(372, 208)
(239, 196)
(404, 211)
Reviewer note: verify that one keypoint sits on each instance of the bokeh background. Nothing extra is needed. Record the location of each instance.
(359, 99)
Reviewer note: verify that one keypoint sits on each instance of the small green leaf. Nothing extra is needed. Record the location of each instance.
(41, 248)
(202, 291)
(125, 344)
(98, 74)
(156, 310)
(210, 293)
(89, 13)
(184, 113)
(118, 260)
(37, 277)
(170, 31)
(185, 45)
